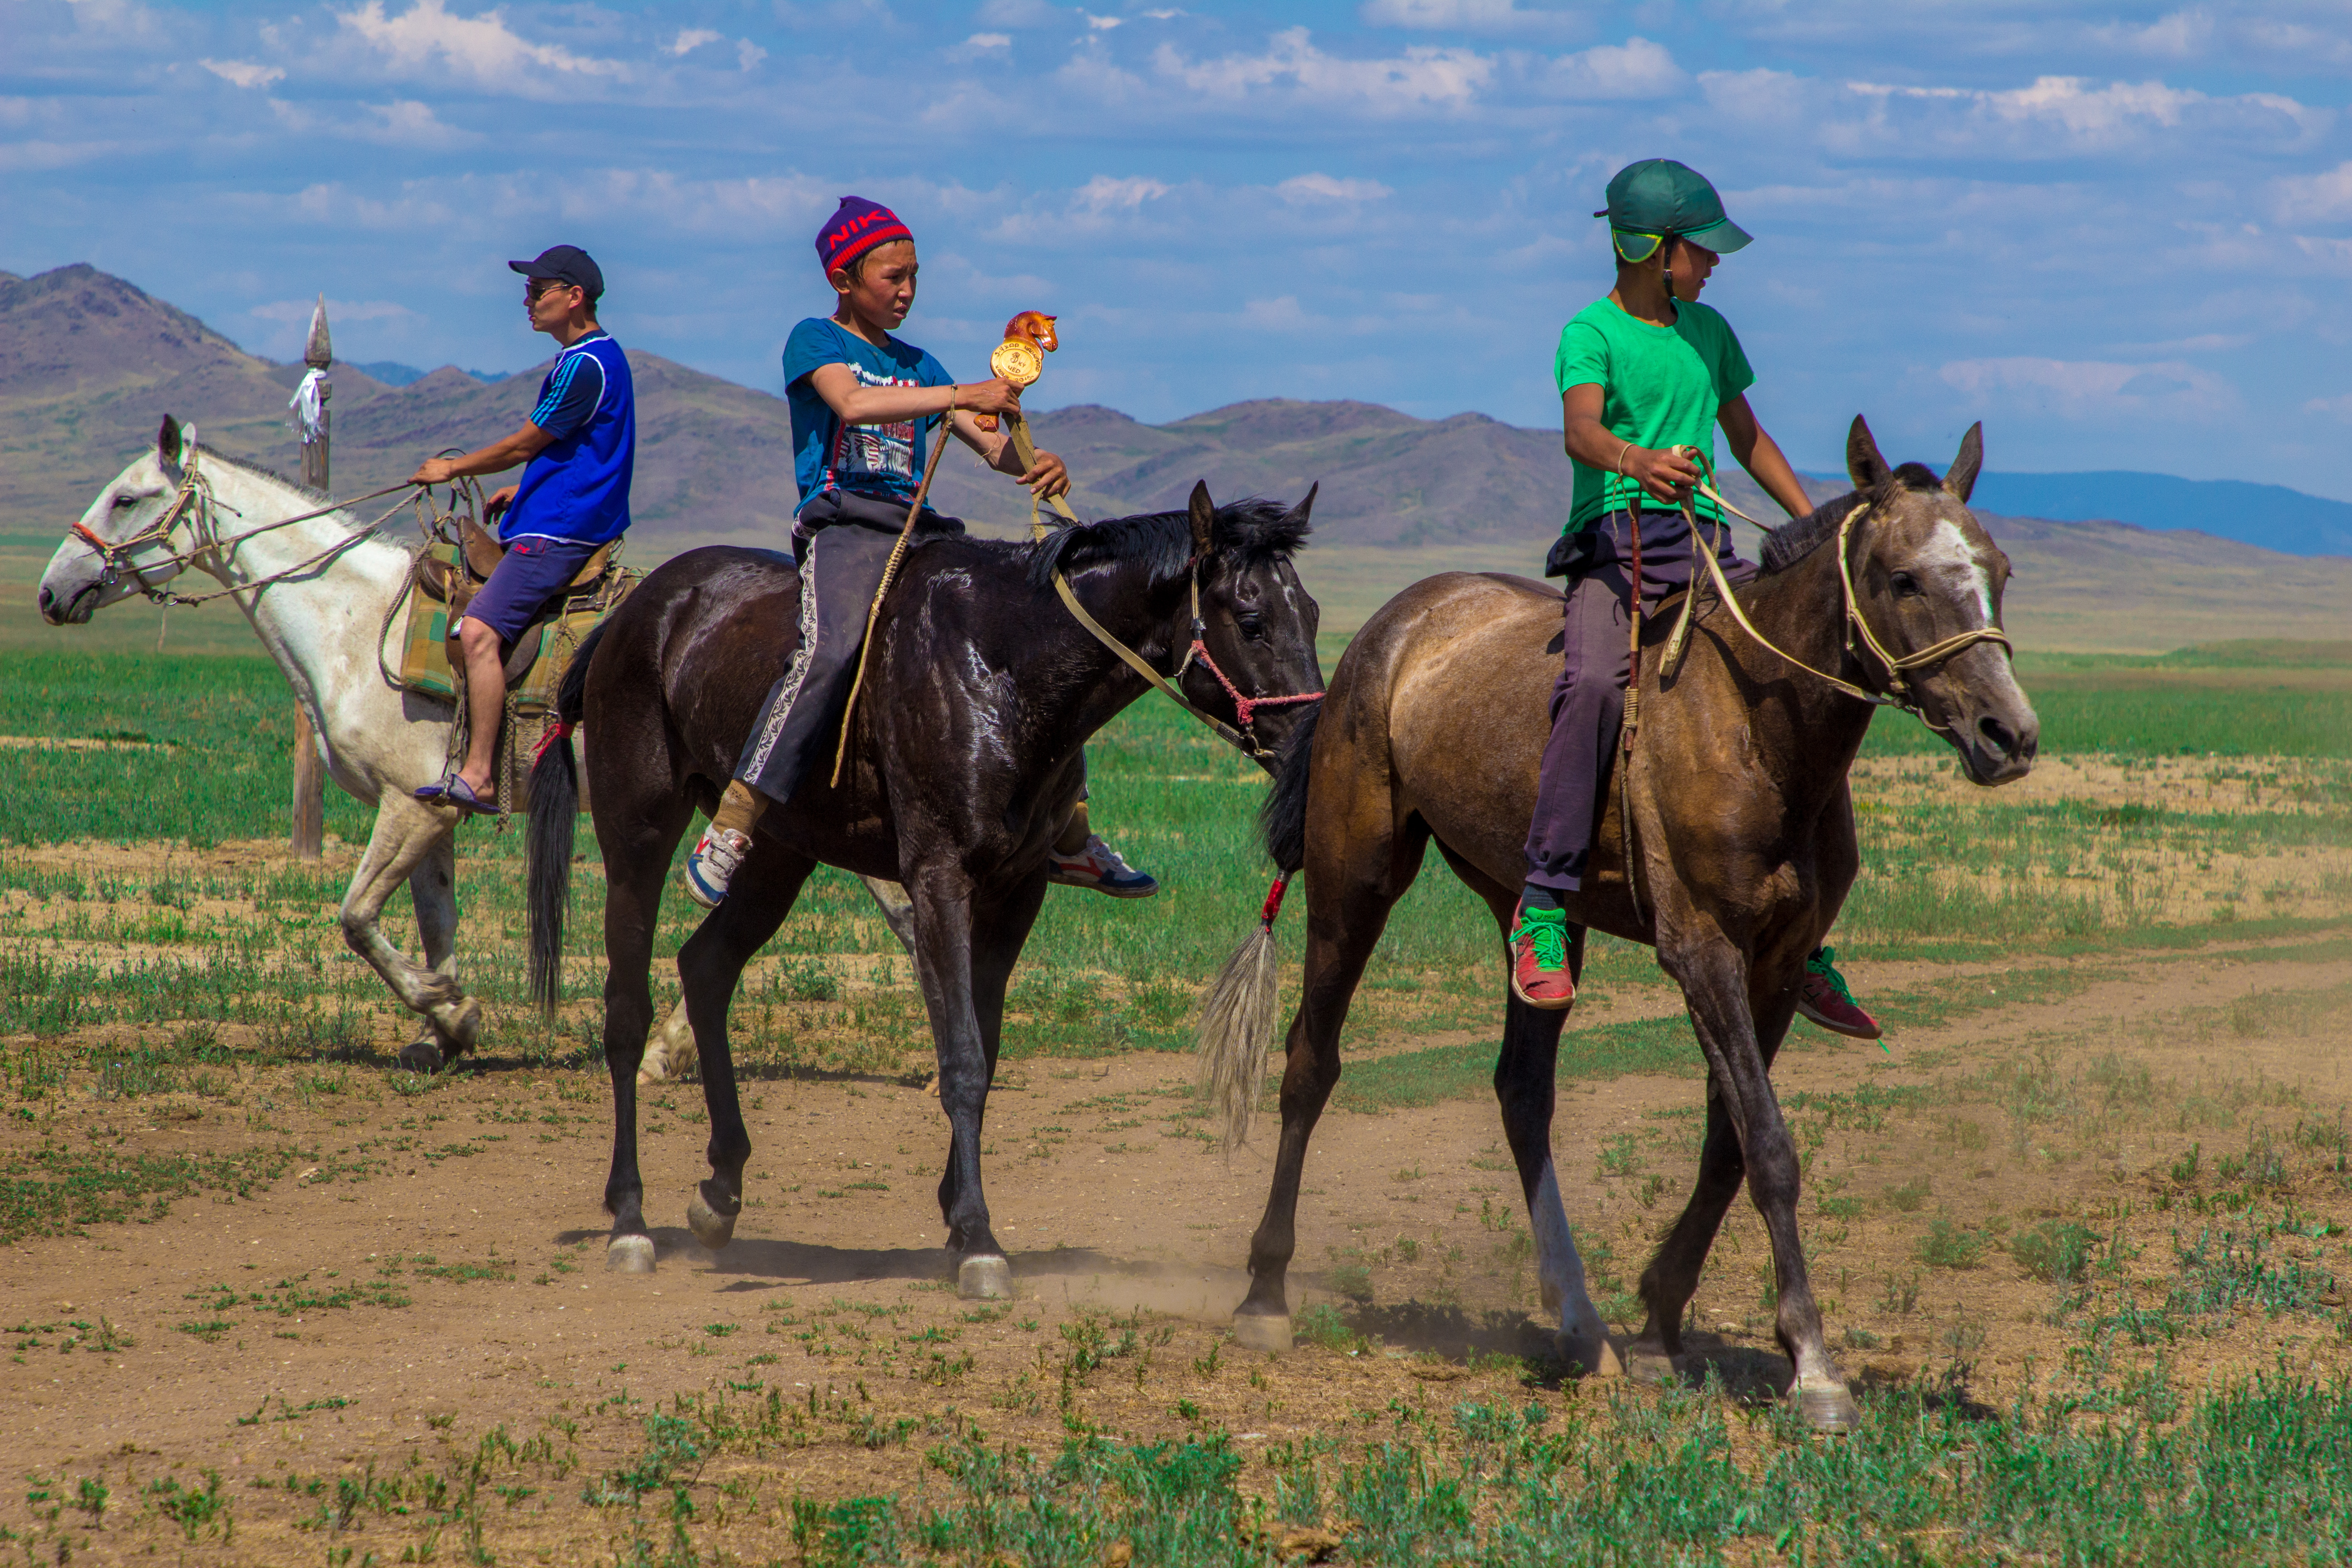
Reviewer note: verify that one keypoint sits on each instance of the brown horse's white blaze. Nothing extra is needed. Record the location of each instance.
(1742, 836)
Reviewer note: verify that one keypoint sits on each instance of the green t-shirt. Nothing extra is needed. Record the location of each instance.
(1661, 386)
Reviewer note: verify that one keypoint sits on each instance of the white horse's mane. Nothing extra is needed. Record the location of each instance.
(309, 493)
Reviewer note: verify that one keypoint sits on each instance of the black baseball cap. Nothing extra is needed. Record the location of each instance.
(565, 264)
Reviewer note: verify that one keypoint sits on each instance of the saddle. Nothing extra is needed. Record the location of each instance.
(450, 573)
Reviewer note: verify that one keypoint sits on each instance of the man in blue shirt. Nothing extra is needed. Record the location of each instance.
(864, 406)
(581, 445)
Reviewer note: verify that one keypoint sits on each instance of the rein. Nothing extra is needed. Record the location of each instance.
(195, 504)
(1243, 740)
(1855, 622)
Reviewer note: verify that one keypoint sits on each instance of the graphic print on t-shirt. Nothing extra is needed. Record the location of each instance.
(883, 453)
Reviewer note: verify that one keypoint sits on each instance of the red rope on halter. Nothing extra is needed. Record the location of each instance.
(1244, 707)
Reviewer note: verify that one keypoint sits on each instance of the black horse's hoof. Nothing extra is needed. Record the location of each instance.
(984, 1279)
(1823, 1405)
(711, 1228)
(629, 1255)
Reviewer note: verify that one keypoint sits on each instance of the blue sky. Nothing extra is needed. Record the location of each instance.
(2118, 234)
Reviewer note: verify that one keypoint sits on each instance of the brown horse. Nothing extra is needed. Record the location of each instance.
(1742, 833)
(965, 757)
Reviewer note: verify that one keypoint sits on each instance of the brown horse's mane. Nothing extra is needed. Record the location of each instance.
(1247, 532)
(1791, 542)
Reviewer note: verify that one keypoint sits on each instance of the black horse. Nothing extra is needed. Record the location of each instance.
(964, 756)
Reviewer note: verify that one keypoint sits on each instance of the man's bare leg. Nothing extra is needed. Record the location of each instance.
(485, 703)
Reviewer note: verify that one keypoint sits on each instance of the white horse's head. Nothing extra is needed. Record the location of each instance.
(98, 564)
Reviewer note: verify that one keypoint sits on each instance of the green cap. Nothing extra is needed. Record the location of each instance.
(1656, 198)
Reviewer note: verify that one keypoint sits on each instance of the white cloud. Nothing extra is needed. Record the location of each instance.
(2182, 35)
(2093, 389)
(2338, 407)
(338, 310)
(748, 54)
(2052, 110)
(1018, 14)
(982, 46)
(1419, 78)
(1465, 15)
(1104, 194)
(692, 39)
(1635, 69)
(1101, 24)
(484, 45)
(2323, 197)
(244, 73)
(1324, 187)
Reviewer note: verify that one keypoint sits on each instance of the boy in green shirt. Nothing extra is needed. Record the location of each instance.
(1642, 374)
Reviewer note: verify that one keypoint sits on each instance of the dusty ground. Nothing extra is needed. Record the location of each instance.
(426, 1268)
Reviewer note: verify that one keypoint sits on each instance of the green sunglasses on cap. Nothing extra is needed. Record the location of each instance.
(1658, 196)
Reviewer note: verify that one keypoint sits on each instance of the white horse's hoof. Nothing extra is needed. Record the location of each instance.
(711, 1228)
(630, 1255)
(1261, 1331)
(1589, 1356)
(984, 1279)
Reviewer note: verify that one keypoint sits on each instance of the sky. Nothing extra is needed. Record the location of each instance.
(2119, 236)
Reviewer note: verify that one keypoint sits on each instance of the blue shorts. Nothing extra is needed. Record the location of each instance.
(533, 573)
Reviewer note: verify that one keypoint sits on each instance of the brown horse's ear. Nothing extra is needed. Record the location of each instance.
(1862, 464)
(1961, 476)
(1204, 518)
(169, 444)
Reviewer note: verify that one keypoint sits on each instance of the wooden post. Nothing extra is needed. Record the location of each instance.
(309, 774)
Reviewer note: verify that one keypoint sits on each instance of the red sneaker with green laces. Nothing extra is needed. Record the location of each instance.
(1539, 974)
(1823, 996)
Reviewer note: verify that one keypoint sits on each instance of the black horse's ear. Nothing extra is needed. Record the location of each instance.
(1204, 518)
(1862, 464)
(1305, 507)
(168, 443)
(1961, 476)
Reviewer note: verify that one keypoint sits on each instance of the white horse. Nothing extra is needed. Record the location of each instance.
(317, 584)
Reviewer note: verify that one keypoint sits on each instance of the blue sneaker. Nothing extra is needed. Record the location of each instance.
(1099, 867)
(717, 854)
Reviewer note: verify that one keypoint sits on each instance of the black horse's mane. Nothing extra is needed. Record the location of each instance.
(1247, 532)
(1793, 541)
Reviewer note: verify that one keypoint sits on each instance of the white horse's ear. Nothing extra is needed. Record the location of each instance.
(170, 441)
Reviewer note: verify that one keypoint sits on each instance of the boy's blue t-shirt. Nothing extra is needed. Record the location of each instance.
(881, 461)
(578, 486)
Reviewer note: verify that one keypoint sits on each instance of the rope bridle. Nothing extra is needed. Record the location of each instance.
(196, 505)
(1244, 739)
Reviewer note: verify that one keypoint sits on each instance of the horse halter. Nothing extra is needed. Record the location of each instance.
(195, 495)
(1898, 693)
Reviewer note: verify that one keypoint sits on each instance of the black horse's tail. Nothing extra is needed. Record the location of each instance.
(554, 813)
(1283, 819)
(1235, 1034)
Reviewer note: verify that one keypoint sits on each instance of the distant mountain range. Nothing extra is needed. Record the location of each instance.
(392, 372)
(89, 364)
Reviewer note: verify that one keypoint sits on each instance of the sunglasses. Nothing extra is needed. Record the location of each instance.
(534, 287)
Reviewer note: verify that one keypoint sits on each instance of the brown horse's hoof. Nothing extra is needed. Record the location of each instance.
(1824, 1405)
(711, 1228)
(421, 1056)
(1650, 1363)
(984, 1279)
(629, 1255)
(1269, 1332)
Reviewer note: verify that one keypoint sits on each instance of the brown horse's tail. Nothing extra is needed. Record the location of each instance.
(554, 813)
(1239, 1008)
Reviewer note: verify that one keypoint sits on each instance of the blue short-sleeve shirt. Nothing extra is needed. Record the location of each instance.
(577, 488)
(880, 460)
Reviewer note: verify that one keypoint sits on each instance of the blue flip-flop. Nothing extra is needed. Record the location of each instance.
(459, 794)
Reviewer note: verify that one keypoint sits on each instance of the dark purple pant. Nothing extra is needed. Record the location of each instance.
(1588, 702)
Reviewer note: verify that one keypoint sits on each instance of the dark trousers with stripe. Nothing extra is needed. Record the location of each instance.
(841, 543)
(1588, 701)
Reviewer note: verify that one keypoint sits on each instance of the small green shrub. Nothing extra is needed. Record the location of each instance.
(2055, 1249)
(1948, 1245)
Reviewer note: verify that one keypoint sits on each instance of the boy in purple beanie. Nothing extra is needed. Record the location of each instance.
(864, 406)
